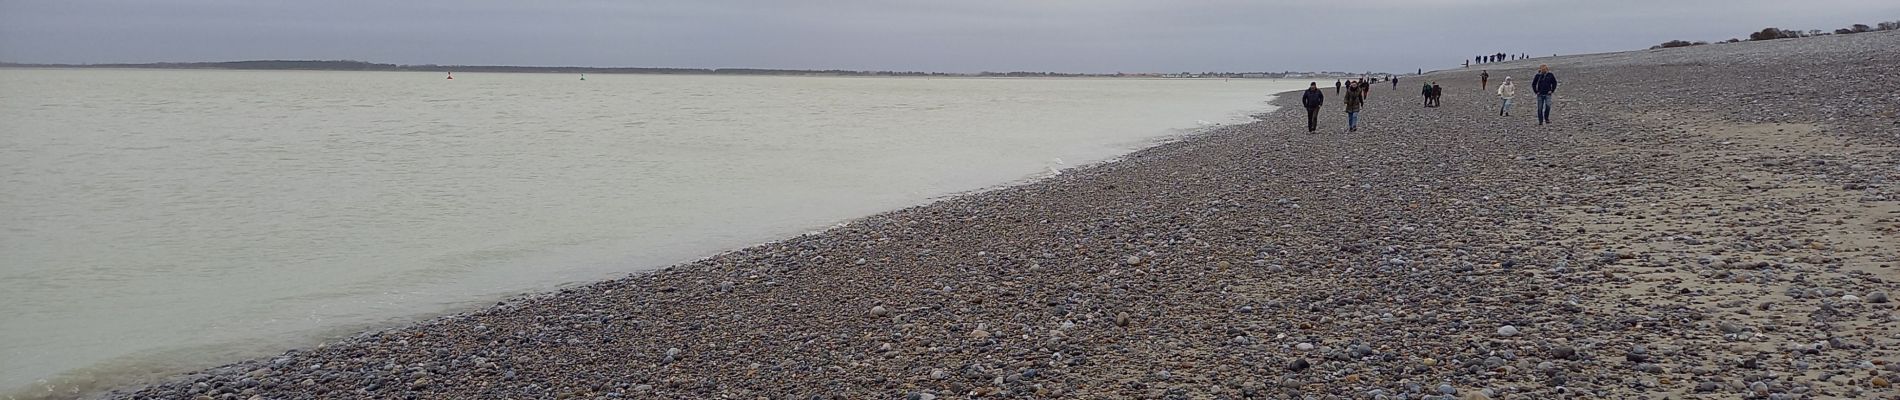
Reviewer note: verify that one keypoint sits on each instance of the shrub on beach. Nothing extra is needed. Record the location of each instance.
(1863, 28)
(1772, 33)
(1766, 34)
(1677, 43)
(1778, 33)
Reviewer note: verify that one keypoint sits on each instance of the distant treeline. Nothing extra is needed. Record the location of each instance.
(1778, 33)
(352, 65)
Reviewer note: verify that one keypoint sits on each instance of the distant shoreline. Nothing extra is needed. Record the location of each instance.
(302, 65)
(459, 72)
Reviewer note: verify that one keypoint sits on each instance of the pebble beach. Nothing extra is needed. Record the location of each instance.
(1718, 221)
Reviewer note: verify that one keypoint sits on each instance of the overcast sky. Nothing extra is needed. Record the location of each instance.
(946, 35)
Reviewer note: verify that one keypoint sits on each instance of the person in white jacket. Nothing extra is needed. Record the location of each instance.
(1505, 91)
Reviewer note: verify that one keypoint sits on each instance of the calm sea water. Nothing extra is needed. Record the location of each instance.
(156, 221)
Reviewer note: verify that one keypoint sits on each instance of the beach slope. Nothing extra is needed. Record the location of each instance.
(1717, 221)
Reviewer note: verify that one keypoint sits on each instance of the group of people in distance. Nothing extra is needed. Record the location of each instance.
(1544, 84)
(1499, 57)
(1364, 83)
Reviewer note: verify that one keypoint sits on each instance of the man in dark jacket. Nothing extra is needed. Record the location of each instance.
(1312, 100)
(1337, 84)
(1544, 84)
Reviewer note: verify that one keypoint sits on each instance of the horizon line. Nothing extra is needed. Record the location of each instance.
(345, 62)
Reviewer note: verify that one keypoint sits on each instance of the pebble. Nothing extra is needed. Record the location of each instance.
(1563, 353)
(1298, 364)
(1705, 387)
(1877, 297)
(879, 311)
(1360, 351)
(1507, 331)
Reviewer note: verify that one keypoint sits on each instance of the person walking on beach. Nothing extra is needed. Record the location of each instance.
(1312, 100)
(1395, 82)
(1484, 79)
(1544, 84)
(1505, 92)
(1336, 85)
(1426, 91)
(1355, 97)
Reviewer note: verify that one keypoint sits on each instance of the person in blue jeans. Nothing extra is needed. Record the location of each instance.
(1544, 84)
(1505, 92)
(1355, 98)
